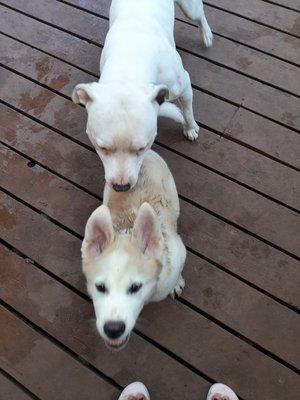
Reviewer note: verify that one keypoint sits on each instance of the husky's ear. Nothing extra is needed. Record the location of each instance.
(84, 92)
(159, 93)
(99, 232)
(147, 231)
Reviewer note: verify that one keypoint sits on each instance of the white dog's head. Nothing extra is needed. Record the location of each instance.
(122, 270)
(122, 125)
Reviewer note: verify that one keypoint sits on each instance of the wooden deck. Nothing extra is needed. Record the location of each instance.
(238, 319)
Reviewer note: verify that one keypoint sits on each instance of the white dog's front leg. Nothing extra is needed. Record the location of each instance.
(190, 127)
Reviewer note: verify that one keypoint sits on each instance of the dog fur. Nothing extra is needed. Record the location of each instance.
(141, 72)
(132, 240)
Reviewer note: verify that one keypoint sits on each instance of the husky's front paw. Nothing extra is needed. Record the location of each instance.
(191, 133)
(178, 288)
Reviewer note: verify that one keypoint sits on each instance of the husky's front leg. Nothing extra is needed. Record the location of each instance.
(178, 288)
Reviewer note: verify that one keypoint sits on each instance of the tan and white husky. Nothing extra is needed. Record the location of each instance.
(131, 252)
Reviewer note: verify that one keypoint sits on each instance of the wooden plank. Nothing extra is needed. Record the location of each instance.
(44, 368)
(100, 7)
(265, 311)
(271, 138)
(265, 13)
(10, 391)
(240, 370)
(235, 56)
(249, 129)
(66, 158)
(266, 219)
(293, 4)
(50, 39)
(237, 251)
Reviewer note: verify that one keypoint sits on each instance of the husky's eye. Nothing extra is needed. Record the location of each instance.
(134, 288)
(101, 287)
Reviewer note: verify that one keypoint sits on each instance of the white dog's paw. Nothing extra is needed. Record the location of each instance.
(178, 288)
(207, 36)
(191, 133)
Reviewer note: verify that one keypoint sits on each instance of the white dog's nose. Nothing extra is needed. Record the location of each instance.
(114, 329)
(121, 188)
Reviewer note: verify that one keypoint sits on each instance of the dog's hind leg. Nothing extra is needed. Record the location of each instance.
(190, 127)
(193, 9)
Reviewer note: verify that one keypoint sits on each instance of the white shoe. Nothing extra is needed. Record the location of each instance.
(135, 391)
(218, 391)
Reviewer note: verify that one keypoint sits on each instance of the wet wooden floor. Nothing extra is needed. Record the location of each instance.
(237, 321)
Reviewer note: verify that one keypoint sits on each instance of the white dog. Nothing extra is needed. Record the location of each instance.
(140, 69)
(131, 251)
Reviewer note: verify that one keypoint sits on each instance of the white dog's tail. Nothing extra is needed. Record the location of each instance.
(170, 110)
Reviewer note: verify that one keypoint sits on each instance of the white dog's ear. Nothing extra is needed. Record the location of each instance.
(147, 231)
(159, 93)
(99, 232)
(84, 92)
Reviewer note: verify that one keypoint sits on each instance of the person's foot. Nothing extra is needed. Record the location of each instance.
(218, 391)
(135, 391)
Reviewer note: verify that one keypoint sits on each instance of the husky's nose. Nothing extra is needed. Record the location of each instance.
(121, 188)
(114, 329)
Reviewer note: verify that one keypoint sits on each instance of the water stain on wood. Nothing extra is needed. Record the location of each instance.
(38, 103)
(42, 68)
(243, 62)
(8, 220)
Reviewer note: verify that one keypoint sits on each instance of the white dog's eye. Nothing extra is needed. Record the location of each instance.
(141, 149)
(134, 288)
(103, 149)
(101, 287)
